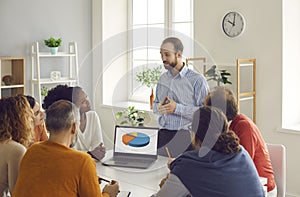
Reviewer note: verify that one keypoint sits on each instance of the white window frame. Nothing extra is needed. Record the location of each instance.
(290, 68)
(168, 25)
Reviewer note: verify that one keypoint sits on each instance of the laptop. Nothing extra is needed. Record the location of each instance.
(134, 147)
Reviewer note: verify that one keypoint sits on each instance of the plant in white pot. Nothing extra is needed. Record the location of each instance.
(149, 77)
(53, 44)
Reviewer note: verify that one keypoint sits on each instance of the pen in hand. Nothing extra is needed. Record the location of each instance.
(102, 179)
(167, 150)
(170, 160)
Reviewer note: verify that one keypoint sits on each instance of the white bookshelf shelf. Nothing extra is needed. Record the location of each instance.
(37, 80)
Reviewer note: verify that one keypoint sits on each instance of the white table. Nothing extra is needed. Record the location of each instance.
(140, 182)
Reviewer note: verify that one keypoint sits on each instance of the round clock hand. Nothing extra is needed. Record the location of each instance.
(232, 23)
(233, 20)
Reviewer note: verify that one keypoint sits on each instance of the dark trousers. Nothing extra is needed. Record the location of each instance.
(176, 141)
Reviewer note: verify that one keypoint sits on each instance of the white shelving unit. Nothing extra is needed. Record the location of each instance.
(36, 67)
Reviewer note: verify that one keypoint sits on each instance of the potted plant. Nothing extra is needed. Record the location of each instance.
(220, 76)
(44, 91)
(131, 116)
(149, 77)
(53, 44)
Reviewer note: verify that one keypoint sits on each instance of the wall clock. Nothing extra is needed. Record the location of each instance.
(233, 24)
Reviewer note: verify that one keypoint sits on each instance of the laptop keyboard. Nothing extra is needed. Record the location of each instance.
(131, 160)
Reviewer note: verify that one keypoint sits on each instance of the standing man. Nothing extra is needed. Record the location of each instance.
(180, 91)
(52, 168)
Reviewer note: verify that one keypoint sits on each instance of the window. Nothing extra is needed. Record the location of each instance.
(291, 69)
(150, 22)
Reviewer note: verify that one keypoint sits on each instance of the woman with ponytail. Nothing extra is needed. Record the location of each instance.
(218, 166)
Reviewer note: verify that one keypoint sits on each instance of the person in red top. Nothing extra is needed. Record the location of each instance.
(250, 136)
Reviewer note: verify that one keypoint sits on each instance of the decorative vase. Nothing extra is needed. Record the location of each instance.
(53, 50)
(152, 97)
(7, 80)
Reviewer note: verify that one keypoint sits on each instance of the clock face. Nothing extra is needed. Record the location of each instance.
(233, 24)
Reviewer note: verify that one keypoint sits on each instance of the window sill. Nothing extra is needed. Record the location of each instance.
(291, 129)
(138, 105)
(150, 117)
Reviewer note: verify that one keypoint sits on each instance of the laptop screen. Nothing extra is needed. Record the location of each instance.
(136, 140)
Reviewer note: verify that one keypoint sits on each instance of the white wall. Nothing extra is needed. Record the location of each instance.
(25, 22)
(115, 48)
(262, 39)
(111, 67)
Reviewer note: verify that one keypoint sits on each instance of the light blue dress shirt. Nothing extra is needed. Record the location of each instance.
(188, 89)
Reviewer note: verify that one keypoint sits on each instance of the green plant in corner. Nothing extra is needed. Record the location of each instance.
(149, 76)
(220, 76)
(52, 42)
(131, 116)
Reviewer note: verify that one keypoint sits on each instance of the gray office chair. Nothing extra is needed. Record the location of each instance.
(278, 159)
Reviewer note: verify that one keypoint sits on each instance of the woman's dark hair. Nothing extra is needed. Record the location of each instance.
(211, 129)
(223, 98)
(31, 101)
(61, 92)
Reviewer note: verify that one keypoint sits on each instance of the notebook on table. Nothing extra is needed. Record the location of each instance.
(134, 147)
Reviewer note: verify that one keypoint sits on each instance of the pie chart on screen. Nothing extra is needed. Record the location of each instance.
(136, 139)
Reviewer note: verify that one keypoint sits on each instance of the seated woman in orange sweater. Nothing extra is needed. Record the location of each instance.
(38, 118)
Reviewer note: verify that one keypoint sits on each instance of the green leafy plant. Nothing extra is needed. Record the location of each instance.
(220, 76)
(52, 42)
(131, 116)
(44, 91)
(149, 76)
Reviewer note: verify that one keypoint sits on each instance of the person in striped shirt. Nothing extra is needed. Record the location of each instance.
(179, 93)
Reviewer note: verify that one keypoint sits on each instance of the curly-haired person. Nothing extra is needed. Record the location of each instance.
(16, 134)
(90, 138)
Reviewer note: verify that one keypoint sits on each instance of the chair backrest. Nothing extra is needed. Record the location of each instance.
(278, 159)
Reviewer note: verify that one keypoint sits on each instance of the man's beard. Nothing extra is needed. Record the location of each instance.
(175, 63)
(171, 66)
(74, 141)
